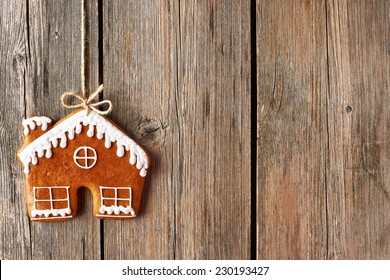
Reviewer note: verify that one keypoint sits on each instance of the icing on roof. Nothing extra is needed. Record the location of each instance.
(67, 128)
(32, 123)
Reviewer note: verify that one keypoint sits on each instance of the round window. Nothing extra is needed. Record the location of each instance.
(85, 157)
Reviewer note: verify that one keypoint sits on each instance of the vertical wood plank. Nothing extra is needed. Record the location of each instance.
(14, 225)
(359, 129)
(140, 79)
(292, 129)
(213, 195)
(53, 67)
(178, 74)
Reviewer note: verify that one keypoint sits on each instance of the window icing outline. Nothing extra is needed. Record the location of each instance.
(115, 209)
(85, 157)
(61, 211)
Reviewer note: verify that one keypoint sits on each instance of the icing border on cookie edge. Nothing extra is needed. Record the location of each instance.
(55, 212)
(33, 122)
(116, 210)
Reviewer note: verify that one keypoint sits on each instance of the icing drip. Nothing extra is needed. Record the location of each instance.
(48, 154)
(116, 210)
(34, 160)
(55, 212)
(120, 151)
(32, 123)
(67, 128)
(90, 131)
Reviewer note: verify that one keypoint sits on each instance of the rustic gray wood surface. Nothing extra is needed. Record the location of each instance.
(182, 87)
(40, 54)
(183, 77)
(359, 130)
(14, 224)
(323, 118)
(292, 83)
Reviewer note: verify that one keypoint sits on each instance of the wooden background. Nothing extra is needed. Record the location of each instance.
(268, 123)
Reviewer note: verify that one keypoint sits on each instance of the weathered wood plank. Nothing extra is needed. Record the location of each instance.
(292, 129)
(140, 79)
(178, 75)
(213, 99)
(53, 66)
(14, 225)
(359, 129)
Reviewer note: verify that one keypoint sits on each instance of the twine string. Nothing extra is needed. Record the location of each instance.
(85, 102)
(83, 48)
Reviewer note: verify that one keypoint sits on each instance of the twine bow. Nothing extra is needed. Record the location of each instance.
(87, 102)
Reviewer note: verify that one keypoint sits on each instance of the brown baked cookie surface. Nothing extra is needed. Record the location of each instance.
(81, 150)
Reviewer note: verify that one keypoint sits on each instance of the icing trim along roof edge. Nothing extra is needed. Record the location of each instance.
(66, 129)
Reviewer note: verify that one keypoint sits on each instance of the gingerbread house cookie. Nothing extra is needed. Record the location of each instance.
(84, 149)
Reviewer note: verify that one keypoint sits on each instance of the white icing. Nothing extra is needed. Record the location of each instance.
(55, 212)
(116, 217)
(116, 210)
(52, 211)
(50, 218)
(32, 123)
(48, 154)
(84, 157)
(66, 129)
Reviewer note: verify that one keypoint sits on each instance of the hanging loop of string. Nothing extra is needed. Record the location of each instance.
(85, 102)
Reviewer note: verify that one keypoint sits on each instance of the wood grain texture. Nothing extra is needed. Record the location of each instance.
(213, 109)
(139, 78)
(178, 75)
(15, 240)
(45, 60)
(54, 68)
(359, 129)
(292, 84)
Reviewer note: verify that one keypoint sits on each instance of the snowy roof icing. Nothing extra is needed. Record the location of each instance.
(66, 129)
(32, 123)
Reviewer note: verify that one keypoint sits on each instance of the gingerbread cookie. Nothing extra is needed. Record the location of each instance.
(84, 149)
